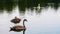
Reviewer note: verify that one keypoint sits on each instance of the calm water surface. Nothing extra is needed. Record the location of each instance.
(46, 22)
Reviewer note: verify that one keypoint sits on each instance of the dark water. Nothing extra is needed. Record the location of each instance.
(43, 16)
(9, 5)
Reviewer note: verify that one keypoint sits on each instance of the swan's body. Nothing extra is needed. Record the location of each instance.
(19, 28)
(15, 20)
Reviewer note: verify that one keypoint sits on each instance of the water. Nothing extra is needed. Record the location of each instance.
(46, 22)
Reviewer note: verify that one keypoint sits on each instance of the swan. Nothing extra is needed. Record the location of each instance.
(15, 20)
(18, 27)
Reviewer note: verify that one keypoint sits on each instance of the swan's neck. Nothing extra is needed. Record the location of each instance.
(23, 23)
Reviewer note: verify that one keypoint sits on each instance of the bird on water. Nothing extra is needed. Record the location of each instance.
(18, 27)
(16, 20)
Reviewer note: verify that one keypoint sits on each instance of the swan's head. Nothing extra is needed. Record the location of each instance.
(25, 20)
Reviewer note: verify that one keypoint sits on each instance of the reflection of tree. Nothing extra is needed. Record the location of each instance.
(22, 5)
(56, 5)
(1, 4)
(9, 5)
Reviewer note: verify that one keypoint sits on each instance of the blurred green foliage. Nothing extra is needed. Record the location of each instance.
(9, 5)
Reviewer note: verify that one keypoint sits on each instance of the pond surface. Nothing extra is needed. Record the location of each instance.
(46, 22)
